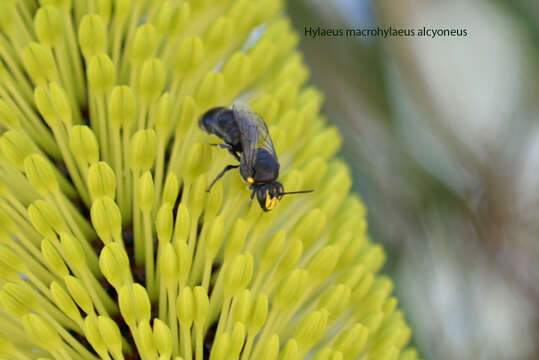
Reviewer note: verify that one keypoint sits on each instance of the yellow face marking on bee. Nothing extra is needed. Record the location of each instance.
(268, 200)
(250, 180)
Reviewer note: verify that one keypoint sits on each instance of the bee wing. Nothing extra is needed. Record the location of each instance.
(254, 134)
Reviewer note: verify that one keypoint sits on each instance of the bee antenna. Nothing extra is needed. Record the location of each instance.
(296, 192)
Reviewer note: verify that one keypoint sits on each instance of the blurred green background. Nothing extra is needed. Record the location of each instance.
(443, 138)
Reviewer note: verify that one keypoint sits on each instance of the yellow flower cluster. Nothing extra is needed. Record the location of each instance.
(111, 248)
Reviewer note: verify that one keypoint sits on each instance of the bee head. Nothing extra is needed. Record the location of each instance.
(209, 118)
(268, 195)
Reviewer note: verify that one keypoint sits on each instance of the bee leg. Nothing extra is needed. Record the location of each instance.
(227, 168)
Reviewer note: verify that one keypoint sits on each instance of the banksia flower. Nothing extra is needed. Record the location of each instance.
(111, 248)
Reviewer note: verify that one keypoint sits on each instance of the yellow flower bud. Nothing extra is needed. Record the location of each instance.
(38, 63)
(290, 351)
(93, 335)
(215, 197)
(143, 150)
(64, 302)
(101, 180)
(180, 18)
(185, 306)
(310, 227)
(8, 118)
(182, 224)
(110, 331)
(241, 307)
(237, 70)
(163, 122)
(186, 117)
(83, 144)
(45, 106)
(198, 161)
(162, 338)
(236, 239)
(164, 223)
(311, 329)
(197, 196)
(11, 304)
(78, 292)
(145, 192)
(9, 259)
(220, 348)
(73, 251)
(321, 265)
(15, 148)
(41, 332)
(46, 219)
(218, 33)
(106, 219)
(104, 9)
(272, 251)
(114, 264)
(61, 103)
(152, 80)
(48, 25)
(290, 258)
(122, 106)
(238, 274)
(237, 337)
(270, 348)
(215, 238)
(53, 259)
(169, 265)
(101, 74)
(202, 305)
(210, 89)
(92, 35)
(134, 304)
(259, 314)
(145, 43)
(189, 55)
(171, 189)
(121, 8)
(184, 260)
(41, 175)
(291, 289)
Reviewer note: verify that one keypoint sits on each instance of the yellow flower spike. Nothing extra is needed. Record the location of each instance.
(310, 330)
(106, 219)
(335, 300)
(290, 259)
(145, 43)
(352, 341)
(290, 290)
(43, 333)
(290, 350)
(73, 251)
(221, 346)
(270, 348)
(161, 116)
(134, 304)
(324, 145)
(389, 306)
(145, 192)
(48, 26)
(143, 150)
(237, 338)
(186, 116)
(238, 275)
(78, 292)
(202, 305)
(373, 258)
(41, 175)
(184, 260)
(241, 307)
(114, 264)
(313, 173)
(101, 180)
(163, 223)
(198, 161)
(122, 106)
(169, 265)
(163, 18)
(16, 148)
(162, 338)
(8, 118)
(45, 106)
(45, 219)
(236, 239)
(190, 53)
(64, 302)
(170, 189)
(93, 335)
(237, 70)
(286, 93)
(39, 63)
(210, 89)
(272, 251)
(185, 307)
(83, 144)
(109, 330)
(92, 36)
(262, 55)
(373, 321)
(321, 265)
(53, 259)
(218, 33)
(152, 80)
(267, 107)
(215, 238)
(101, 74)
(9, 259)
(61, 103)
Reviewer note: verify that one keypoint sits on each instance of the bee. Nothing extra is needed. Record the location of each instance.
(246, 136)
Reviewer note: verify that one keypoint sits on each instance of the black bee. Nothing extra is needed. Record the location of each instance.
(246, 136)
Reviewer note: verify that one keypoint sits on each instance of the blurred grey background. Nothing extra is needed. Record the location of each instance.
(443, 138)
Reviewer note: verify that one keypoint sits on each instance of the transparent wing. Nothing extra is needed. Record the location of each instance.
(254, 133)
